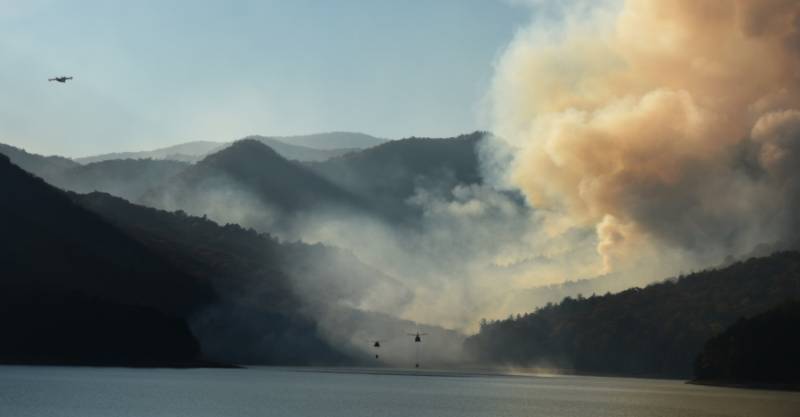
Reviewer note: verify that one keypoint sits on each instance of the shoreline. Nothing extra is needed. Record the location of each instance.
(430, 372)
(746, 385)
(143, 365)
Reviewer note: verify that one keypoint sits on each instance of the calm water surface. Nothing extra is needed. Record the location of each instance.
(95, 392)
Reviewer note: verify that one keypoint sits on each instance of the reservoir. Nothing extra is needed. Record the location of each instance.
(277, 392)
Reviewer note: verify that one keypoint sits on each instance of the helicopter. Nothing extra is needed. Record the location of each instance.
(60, 79)
(417, 339)
(417, 336)
(376, 344)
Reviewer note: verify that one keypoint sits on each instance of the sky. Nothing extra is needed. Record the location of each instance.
(155, 73)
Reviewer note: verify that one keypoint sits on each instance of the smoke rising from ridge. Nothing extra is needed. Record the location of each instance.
(670, 128)
(650, 139)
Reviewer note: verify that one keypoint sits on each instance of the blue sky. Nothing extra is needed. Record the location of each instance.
(154, 73)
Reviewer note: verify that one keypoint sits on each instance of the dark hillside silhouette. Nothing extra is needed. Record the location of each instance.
(763, 349)
(55, 255)
(266, 287)
(657, 330)
(62, 264)
(45, 327)
(51, 242)
(230, 257)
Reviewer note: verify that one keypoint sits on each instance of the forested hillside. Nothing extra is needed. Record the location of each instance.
(73, 285)
(250, 184)
(388, 174)
(271, 292)
(755, 350)
(657, 330)
(46, 167)
(126, 178)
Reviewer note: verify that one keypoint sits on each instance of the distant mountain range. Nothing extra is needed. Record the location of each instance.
(184, 152)
(333, 140)
(221, 275)
(379, 180)
(43, 166)
(127, 178)
(316, 147)
(265, 189)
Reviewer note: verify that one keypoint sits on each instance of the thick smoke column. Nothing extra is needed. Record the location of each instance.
(670, 127)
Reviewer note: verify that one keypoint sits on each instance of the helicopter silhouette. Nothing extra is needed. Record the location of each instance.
(417, 339)
(60, 79)
(417, 336)
(376, 344)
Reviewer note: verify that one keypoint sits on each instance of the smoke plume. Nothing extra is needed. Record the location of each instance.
(671, 128)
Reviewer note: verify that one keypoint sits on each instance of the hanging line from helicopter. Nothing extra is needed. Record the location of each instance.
(417, 346)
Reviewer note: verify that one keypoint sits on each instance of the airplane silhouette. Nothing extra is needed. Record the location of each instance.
(60, 79)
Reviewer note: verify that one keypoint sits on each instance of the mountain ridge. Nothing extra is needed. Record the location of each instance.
(313, 147)
(43, 166)
(390, 173)
(270, 189)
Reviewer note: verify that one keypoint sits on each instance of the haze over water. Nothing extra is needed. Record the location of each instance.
(95, 392)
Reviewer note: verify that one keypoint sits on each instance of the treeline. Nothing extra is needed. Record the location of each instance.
(758, 350)
(657, 331)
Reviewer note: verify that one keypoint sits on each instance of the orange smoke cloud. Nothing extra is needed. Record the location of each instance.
(666, 124)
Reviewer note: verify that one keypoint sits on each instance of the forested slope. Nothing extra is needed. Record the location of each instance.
(657, 330)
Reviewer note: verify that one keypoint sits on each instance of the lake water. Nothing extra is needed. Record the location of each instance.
(95, 392)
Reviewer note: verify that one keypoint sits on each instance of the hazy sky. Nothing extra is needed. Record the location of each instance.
(153, 73)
